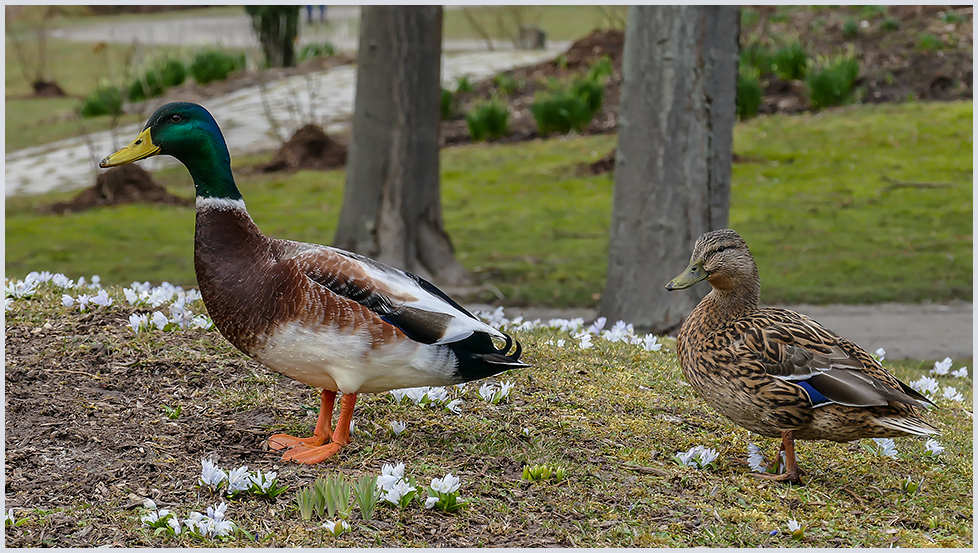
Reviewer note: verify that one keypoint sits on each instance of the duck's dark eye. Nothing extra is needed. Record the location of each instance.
(721, 248)
(175, 118)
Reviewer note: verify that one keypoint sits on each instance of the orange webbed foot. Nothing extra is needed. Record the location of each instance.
(310, 455)
(284, 441)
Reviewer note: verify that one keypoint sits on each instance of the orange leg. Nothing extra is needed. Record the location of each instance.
(792, 473)
(319, 435)
(312, 454)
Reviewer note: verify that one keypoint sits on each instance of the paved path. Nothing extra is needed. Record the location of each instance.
(253, 120)
(905, 331)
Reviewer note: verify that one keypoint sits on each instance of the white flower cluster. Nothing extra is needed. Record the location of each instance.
(494, 395)
(17, 289)
(932, 448)
(941, 368)
(620, 331)
(238, 480)
(423, 395)
(101, 299)
(211, 525)
(392, 485)
(447, 485)
(930, 388)
(181, 316)
(886, 447)
(755, 459)
(698, 456)
(398, 427)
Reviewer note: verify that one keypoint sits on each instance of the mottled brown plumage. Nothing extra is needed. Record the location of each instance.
(777, 372)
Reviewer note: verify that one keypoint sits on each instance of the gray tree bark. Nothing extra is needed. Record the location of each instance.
(672, 168)
(392, 201)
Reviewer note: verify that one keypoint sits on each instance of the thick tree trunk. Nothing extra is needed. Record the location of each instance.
(392, 202)
(672, 170)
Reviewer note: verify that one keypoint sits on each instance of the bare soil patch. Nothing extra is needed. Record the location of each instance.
(120, 185)
(309, 148)
(893, 66)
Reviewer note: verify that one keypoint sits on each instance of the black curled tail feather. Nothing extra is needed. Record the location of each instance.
(478, 357)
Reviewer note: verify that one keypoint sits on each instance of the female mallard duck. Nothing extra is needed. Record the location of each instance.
(326, 317)
(779, 373)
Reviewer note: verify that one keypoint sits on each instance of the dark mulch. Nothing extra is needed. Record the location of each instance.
(119, 185)
(309, 148)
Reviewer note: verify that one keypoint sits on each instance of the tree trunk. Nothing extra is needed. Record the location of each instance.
(277, 28)
(672, 169)
(392, 201)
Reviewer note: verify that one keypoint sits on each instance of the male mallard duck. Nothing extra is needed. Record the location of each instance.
(779, 373)
(326, 317)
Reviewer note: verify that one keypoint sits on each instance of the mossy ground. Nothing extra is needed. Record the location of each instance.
(87, 439)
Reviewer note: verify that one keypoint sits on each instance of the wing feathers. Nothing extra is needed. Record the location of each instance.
(415, 306)
(829, 368)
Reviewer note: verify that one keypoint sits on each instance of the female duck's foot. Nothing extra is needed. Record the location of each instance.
(791, 478)
(793, 472)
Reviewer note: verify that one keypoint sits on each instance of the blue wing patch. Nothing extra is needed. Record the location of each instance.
(814, 395)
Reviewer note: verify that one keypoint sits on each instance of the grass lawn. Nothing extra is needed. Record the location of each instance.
(613, 416)
(819, 201)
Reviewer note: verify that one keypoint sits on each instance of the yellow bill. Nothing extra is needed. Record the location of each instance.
(141, 148)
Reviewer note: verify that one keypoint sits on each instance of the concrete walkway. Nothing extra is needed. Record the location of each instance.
(253, 119)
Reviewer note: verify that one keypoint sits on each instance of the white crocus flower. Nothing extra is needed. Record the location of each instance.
(952, 394)
(131, 296)
(8, 303)
(263, 481)
(560, 343)
(926, 385)
(487, 391)
(336, 527)
(149, 504)
(755, 459)
(102, 299)
(62, 281)
(238, 480)
(651, 343)
(202, 322)
(67, 300)
(154, 516)
(455, 406)
(210, 475)
(137, 322)
(597, 325)
(448, 484)
(430, 502)
(942, 367)
(398, 395)
(8, 518)
(389, 475)
(887, 447)
(585, 340)
(880, 354)
(397, 427)
(397, 491)
(933, 448)
(960, 373)
(437, 395)
(160, 320)
(505, 388)
(82, 300)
